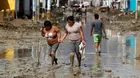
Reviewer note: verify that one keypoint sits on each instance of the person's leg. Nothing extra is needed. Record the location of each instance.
(50, 52)
(78, 54)
(72, 59)
(79, 58)
(97, 41)
(49, 49)
(72, 49)
(54, 49)
(97, 47)
(52, 58)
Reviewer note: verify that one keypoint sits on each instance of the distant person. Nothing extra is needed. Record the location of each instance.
(84, 11)
(73, 11)
(83, 14)
(52, 34)
(97, 28)
(78, 20)
(75, 36)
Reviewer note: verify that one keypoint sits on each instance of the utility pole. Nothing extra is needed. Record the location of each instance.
(108, 3)
(136, 13)
(80, 3)
(37, 10)
(34, 9)
(44, 9)
(48, 9)
(44, 4)
(16, 7)
(57, 3)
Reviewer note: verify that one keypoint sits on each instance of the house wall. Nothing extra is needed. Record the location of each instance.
(7, 4)
(96, 3)
(138, 5)
(11, 4)
(132, 5)
(26, 7)
(107, 2)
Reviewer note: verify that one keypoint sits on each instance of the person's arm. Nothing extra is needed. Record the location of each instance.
(82, 35)
(103, 29)
(64, 36)
(42, 32)
(58, 34)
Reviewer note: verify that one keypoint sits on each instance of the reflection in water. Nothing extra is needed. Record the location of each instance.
(25, 52)
(137, 64)
(97, 70)
(131, 50)
(75, 73)
(10, 53)
(7, 53)
(19, 63)
(30, 51)
(51, 75)
(97, 60)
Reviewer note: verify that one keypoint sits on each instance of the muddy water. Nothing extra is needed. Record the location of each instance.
(33, 62)
(118, 53)
(128, 45)
(137, 57)
(29, 59)
(130, 50)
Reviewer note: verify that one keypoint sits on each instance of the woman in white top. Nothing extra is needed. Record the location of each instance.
(76, 36)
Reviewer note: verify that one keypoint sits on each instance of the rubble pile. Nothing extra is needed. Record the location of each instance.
(19, 22)
(122, 22)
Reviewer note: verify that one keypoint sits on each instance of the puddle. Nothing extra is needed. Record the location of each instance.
(22, 61)
(129, 45)
(131, 51)
(30, 51)
(24, 64)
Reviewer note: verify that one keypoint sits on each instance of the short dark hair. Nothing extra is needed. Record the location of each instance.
(47, 23)
(71, 18)
(77, 18)
(96, 16)
(82, 6)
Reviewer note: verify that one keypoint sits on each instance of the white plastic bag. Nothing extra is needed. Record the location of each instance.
(82, 50)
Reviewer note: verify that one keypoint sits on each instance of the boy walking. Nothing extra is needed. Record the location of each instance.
(97, 28)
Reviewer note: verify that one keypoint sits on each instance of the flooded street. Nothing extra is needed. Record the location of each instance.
(120, 58)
